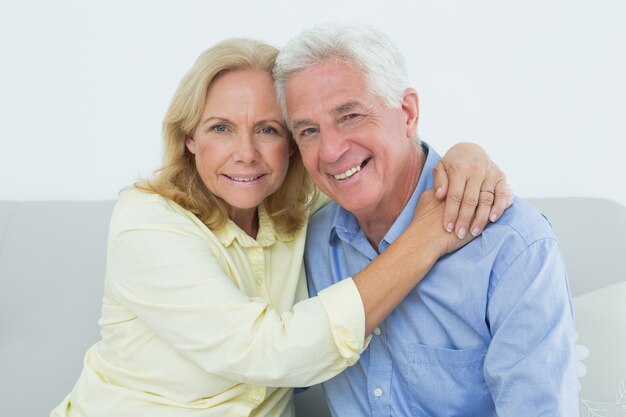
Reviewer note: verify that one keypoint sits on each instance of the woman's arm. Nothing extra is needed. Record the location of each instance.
(176, 278)
(172, 278)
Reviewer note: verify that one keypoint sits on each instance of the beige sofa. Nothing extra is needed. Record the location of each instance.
(51, 271)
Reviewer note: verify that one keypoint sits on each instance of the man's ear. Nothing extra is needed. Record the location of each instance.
(190, 144)
(410, 106)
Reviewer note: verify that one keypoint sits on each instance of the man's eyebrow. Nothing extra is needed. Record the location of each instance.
(342, 108)
(301, 122)
(345, 107)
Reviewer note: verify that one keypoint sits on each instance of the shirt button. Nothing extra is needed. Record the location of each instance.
(377, 331)
(378, 392)
(256, 395)
(259, 281)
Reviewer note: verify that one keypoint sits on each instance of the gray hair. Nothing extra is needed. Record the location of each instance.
(369, 50)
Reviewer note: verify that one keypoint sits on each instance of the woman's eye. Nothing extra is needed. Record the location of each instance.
(266, 130)
(219, 128)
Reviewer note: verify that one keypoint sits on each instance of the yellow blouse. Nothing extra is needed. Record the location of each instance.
(198, 322)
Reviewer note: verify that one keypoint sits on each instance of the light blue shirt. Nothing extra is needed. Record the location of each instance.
(489, 331)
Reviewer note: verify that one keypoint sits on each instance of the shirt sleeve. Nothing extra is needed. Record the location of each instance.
(168, 275)
(530, 365)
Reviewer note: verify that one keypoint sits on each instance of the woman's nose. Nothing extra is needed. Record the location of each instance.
(245, 150)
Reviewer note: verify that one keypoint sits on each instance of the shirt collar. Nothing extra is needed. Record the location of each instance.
(268, 232)
(346, 227)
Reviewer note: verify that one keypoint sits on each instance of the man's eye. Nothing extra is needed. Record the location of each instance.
(267, 130)
(350, 116)
(308, 132)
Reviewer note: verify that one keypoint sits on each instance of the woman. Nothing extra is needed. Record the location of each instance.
(205, 310)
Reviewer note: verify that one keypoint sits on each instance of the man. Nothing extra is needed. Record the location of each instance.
(490, 329)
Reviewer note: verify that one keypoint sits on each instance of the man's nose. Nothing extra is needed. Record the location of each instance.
(333, 144)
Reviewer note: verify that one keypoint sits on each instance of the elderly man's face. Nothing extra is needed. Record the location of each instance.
(356, 150)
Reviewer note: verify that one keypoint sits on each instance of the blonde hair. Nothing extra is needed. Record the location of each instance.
(178, 178)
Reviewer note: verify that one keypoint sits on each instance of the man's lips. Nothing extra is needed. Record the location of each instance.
(351, 171)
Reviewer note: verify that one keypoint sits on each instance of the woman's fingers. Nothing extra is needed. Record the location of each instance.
(504, 197)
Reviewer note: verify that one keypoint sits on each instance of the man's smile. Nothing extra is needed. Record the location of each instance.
(350, 172)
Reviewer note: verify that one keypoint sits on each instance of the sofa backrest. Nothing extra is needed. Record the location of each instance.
(52, 257)
(592, 233)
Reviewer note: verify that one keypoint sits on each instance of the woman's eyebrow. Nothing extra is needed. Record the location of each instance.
(213, 118)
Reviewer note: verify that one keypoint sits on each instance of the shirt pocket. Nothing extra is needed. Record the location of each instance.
(448, 382)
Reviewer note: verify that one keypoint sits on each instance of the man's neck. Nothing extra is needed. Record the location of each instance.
(376, 223)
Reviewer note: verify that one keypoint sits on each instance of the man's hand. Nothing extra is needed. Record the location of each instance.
(473, 186)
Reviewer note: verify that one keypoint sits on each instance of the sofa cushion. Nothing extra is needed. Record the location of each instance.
(601, 350)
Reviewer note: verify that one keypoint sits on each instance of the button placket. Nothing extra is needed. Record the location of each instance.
(257, 264)
(379, 373)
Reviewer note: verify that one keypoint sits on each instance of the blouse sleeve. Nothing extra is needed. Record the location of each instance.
(164, 270)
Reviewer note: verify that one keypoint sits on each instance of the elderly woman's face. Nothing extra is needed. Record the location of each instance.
(241, 145)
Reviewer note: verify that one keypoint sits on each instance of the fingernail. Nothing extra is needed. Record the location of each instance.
(461, 233)
(449, 227)
(438, 190)
(475, 231)
(493, 217)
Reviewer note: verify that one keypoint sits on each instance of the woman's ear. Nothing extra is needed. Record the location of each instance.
(190, 144)
(410, 106)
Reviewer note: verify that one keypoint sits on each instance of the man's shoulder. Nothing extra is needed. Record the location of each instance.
(319, 230)
(521, 233)
(523, 221)
(324, 218)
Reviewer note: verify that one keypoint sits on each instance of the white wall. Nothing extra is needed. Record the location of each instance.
(540, 84)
